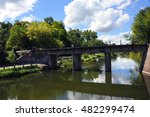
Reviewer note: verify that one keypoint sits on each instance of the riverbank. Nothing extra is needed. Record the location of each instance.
(66, 63)
(18, 71)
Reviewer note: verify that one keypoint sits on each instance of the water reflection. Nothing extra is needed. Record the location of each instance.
(91, 83)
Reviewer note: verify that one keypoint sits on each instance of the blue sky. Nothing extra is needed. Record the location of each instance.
(110, 18)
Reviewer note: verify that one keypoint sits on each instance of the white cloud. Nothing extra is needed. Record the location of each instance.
(117, 39)
(98, 15)
(107, 20)
(124, 4)
(119, 4)
(79, 11)
(29, 18)
(10, 9)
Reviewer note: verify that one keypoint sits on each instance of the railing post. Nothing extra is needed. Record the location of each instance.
(76, 62)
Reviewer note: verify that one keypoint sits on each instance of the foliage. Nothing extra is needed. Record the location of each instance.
(93, 42)
(85, 38)
(44, 35)
(18, 37)
(75, 37)
(60, 32)
(136, 79)
(4, 33)
(11, 56)
(91, 57)
(49, 20)
(40, 34)
(89, 35)
(136, 56)
(141, 27)
(47, 34)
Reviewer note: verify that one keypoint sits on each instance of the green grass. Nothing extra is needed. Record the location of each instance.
(91, 57)
(85, 58)
(17, 72)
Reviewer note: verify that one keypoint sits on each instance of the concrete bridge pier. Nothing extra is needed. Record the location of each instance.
(108, 78)
(52, 61)
(76, 62)
(107, 62)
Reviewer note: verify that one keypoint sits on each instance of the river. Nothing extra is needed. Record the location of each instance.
(92, 83)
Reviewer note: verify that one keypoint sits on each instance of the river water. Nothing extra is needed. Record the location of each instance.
(92, 83)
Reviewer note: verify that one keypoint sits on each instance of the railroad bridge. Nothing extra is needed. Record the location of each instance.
(49, 56)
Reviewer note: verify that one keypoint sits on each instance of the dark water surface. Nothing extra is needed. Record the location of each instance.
(92, 83)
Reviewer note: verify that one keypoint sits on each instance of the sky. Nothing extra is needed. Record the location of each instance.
(111, 19)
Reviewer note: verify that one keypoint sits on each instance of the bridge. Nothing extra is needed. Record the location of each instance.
(52, 54)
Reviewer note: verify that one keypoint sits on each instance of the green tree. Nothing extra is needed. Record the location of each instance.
(4, 34)
(89, 35)
(90, 39)
(49, 20)
(85, 38)
(42, 35)
(59, 32)
(93, 43)
(75, 37)
(141, 27)
(18, 37)
(11, 57)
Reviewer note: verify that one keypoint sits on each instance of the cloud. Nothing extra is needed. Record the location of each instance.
(107, 20)
(119, 4)
(10, 9)
(117, 39)
(29, 18)
(97, 15)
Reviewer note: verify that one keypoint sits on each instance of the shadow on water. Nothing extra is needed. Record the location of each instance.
(86, 84)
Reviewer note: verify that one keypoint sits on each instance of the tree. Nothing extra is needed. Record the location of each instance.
(12, 56)
(49, 20)
(75, 37)
(90, 39)
(85, 38)
(141, 27)
(4, 34)
(59, 32)
(89, 35)
(42, 35)
(93, 43)
(18, 37)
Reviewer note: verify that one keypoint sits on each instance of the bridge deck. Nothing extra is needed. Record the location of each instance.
(93, 50)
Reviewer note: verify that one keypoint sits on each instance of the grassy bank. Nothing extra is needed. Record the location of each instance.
(86, 58)
(17, 72)
(91, 57)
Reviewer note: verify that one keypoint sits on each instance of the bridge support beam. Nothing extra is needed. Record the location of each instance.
(108, 78)
(107, 62)
(76, 62)
(52, 61)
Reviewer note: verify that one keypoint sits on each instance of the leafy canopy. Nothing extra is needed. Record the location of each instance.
(18, 37)
(141, 27)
